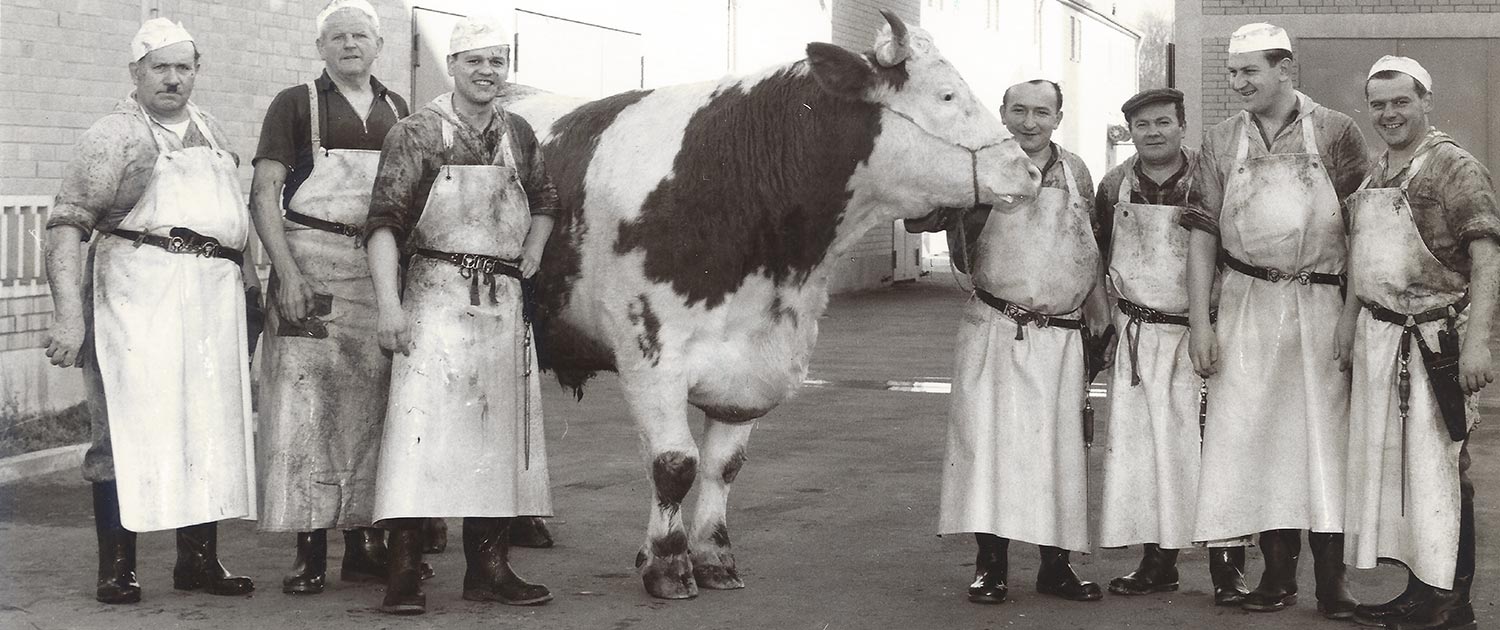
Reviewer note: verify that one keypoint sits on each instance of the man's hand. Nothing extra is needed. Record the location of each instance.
(64, 339)
(1343, 342)
(1475, 370)
(394, 330)
(294, 295)
(530, 264)
(1203, 347)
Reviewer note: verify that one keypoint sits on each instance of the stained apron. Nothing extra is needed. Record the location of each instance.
(1403, 494)
(324, 381)
(1277, 424)
(463, 434)
(170, 338)
(1152, 447)
(1016, 464)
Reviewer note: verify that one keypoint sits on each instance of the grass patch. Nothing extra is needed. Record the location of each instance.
(26, 434)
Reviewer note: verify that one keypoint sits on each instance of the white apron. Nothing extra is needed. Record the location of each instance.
(1276, 435)
(1408, 515)
(1152, 447)
(172, 349)
(1016, 465)
(325, 381)
(463, 436)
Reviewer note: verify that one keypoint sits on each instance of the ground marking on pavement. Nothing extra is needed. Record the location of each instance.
(922, 385)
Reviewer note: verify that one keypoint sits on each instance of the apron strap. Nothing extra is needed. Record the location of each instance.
(1068, 175)
(1309, 136)
(1124, 194)
(1242, 151)
(314, 117)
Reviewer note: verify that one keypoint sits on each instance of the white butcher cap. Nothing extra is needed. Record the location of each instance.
(478, 31)
(357, 5)
(157, 33)
(1259, 36)
(1404, 65)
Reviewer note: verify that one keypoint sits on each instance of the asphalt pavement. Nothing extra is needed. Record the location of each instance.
(832, 522)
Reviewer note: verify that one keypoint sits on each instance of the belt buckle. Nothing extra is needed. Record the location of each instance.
(1276, 275)
(488, 265)
(207, 249)
(1304, 277)
(468, 261)
(176, 244)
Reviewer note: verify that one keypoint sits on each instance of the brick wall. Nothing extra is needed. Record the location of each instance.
(1245, 7)
(63, 65)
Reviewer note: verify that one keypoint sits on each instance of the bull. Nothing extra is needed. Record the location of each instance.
(700, 226)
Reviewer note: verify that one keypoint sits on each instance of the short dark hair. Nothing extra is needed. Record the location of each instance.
(1056, 89)
(1387, 75)
(1276, 55)
(1176, 105)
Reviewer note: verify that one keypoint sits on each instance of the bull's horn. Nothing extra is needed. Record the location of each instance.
(893, 47)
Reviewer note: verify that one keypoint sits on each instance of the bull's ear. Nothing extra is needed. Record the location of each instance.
(840, 72)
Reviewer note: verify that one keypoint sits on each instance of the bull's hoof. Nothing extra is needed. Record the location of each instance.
(716, 577)
(667, 577)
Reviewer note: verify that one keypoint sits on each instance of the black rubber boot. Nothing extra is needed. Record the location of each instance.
(1377, 615)
(488, 577)
(1157, 573)
(198, 564)
(117, 583)
(1226, 567)
(530, 532)
(403, 586)
(309, 574)
(366, 558)
(991, 570)
(1450, 609)
(1278, 584)
(1334, 599)
(1056, 577)
(434, 535)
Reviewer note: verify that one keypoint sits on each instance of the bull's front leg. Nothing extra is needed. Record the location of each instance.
(672, 459)
(723, 454)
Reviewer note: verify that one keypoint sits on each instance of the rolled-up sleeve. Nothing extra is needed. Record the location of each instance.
(1349, 158)
(91, 180)
(1209, 182)
(1469, 202)
(397, 179)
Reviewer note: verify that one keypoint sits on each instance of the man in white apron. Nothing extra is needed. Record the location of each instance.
(1277, 416)
(325, 377)
(1016, 464)
(1424, 267)
(461, 188)
(1152, 448)
(157, 319)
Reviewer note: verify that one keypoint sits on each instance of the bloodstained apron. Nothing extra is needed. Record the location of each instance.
(1152, 448)
(1276, 432)
(463, 435)
(1403, 495)
(325, 378)
(1016, 465)
(169, 332)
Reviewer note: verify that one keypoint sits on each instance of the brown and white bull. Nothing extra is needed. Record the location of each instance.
(700, 226)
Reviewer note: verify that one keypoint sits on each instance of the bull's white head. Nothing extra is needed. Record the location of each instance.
(938, 146)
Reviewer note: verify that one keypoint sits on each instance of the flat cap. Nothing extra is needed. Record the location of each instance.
(1150, 97)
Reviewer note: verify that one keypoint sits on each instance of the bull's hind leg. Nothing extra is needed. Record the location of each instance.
(672, 458)
(723, 454)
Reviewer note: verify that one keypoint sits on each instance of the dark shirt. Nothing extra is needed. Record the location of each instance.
(946, 219)
(286, 134)
(1452, 199)
(1186, 188)
(414, 153)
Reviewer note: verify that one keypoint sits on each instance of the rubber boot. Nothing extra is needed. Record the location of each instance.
(530, 532)
(991, 570)
(1157, 573)
(403, 585)
(309, 574)
(1450, 609)
(1056, 577)
(1334, 600)
(117, 583)
(1226, 567)
(434, 535)
(1278, 584)
(366, 558)
(198, 564)
(1377, 615)
(488, 577)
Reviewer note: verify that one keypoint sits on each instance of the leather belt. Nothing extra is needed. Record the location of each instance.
(1277, 275)
(469, 264)
(342, 229)
(182, 240)
(1023, 316)
(1138, 315)
(1389, 316)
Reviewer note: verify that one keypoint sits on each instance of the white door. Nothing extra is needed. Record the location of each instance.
(906, 250)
